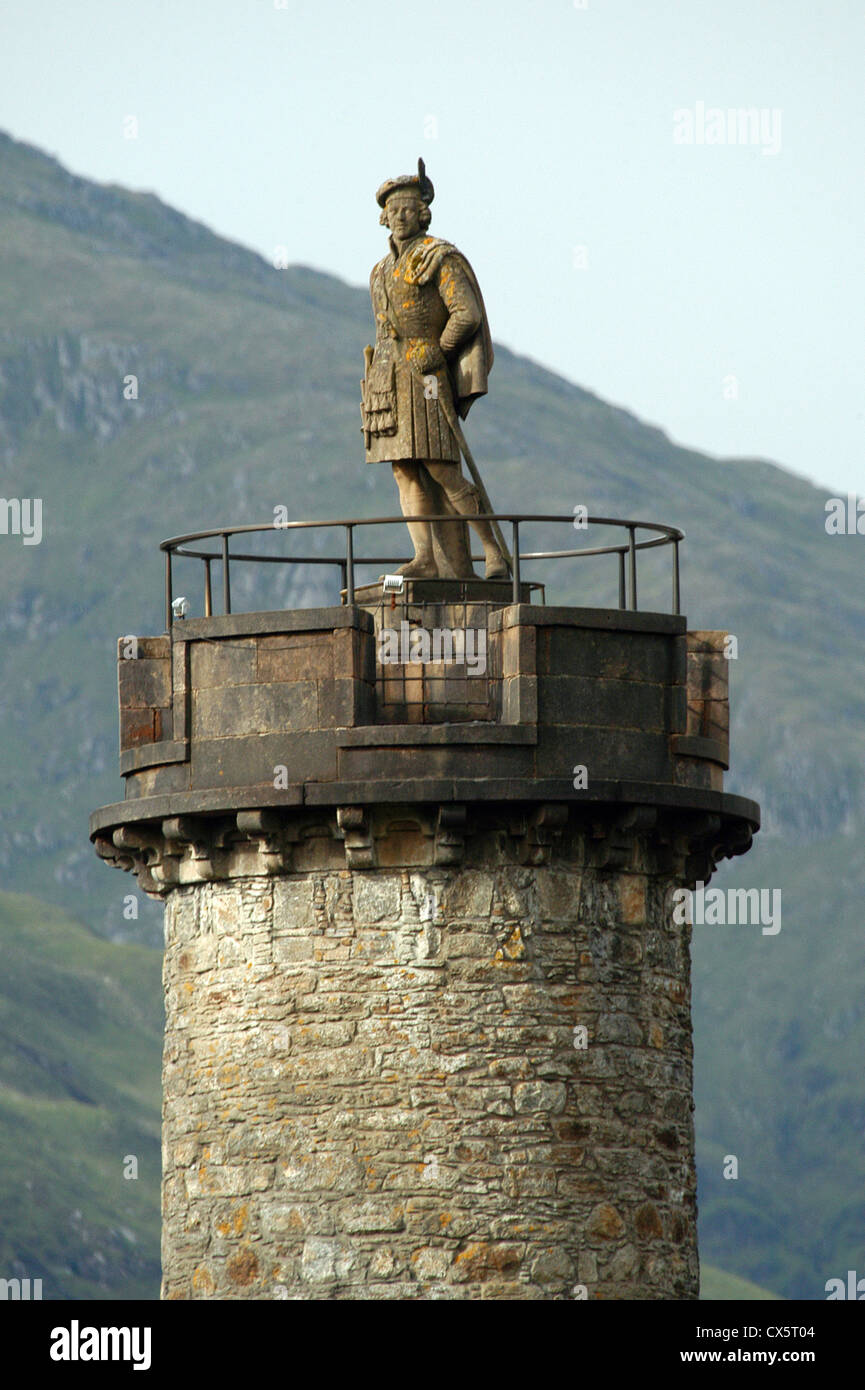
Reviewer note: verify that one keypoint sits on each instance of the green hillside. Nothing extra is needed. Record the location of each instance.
(247, 399)
(80, 1051)
(716, 1286)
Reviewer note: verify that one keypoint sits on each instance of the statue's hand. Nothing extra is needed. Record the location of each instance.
(424, 356)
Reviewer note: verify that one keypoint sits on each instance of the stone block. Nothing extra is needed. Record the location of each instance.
(639, 656)
(290, 659)
(139, 726)
(221, 663)
(293, 905)
(606, 703)
(518, 647)
(353, 654)
(377, 898)
(143, 684)
(539, 1095)
(613, 754)
(244, 762)
(343, 704)
(254, 709)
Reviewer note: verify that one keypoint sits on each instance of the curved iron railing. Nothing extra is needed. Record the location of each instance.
(626, 551)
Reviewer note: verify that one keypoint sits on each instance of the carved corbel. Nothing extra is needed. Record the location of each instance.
(450, 836)
(356, 829)
(265, 827)
(543, 830)
(142, 852)
(181, 832)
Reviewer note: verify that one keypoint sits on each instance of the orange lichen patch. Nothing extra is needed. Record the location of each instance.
(515, 948)
(605, 1223)
(447, 287)
(481, 1260)
(656, 1036)
(242, 1268)
(648, 1222)
(236, 1223)
(445, 1218)
(202, 1280)
(632, 899)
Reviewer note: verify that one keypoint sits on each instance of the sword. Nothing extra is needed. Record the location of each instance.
(367, 362)
(454, 423)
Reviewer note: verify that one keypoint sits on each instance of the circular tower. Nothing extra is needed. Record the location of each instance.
(427, 998)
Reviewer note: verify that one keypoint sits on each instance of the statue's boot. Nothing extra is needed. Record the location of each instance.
(467, 503)
(423, 566)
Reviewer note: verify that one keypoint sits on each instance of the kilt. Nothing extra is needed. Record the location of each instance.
(408, 405)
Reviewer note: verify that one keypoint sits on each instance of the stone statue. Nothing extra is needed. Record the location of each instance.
(432, 356)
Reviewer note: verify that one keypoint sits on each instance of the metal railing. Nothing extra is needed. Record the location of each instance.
(348, 562)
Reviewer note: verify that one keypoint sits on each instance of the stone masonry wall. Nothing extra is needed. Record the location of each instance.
(376, 1085)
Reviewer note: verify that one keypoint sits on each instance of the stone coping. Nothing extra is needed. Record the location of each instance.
(283, 620)
(154, 755)
(341, 615)
(429, 791)
(611, 619)
(707, 749)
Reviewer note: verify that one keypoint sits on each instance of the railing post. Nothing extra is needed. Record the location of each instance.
(226, 579)
(622, 600)
(515, 556)
(208, 591)
(168, 595)
(677, 601)
(349, 564)
(632, 568)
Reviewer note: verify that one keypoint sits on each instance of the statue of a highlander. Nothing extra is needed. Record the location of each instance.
(432, 356)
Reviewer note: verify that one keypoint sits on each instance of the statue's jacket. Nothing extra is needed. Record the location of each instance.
(432, 355)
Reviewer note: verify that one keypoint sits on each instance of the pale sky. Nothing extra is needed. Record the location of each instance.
(713, 288)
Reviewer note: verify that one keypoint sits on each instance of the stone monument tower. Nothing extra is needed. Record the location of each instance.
(427, 1005)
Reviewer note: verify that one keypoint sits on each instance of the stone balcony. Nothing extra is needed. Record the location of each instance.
(288, 714)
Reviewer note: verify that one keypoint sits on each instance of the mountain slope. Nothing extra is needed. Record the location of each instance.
(80, 1051)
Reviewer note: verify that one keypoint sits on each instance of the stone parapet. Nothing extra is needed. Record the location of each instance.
(287, 702)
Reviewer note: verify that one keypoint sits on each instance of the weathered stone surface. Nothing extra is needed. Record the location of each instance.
(375, 1085)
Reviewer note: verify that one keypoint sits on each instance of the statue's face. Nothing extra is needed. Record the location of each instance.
(403, 215)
